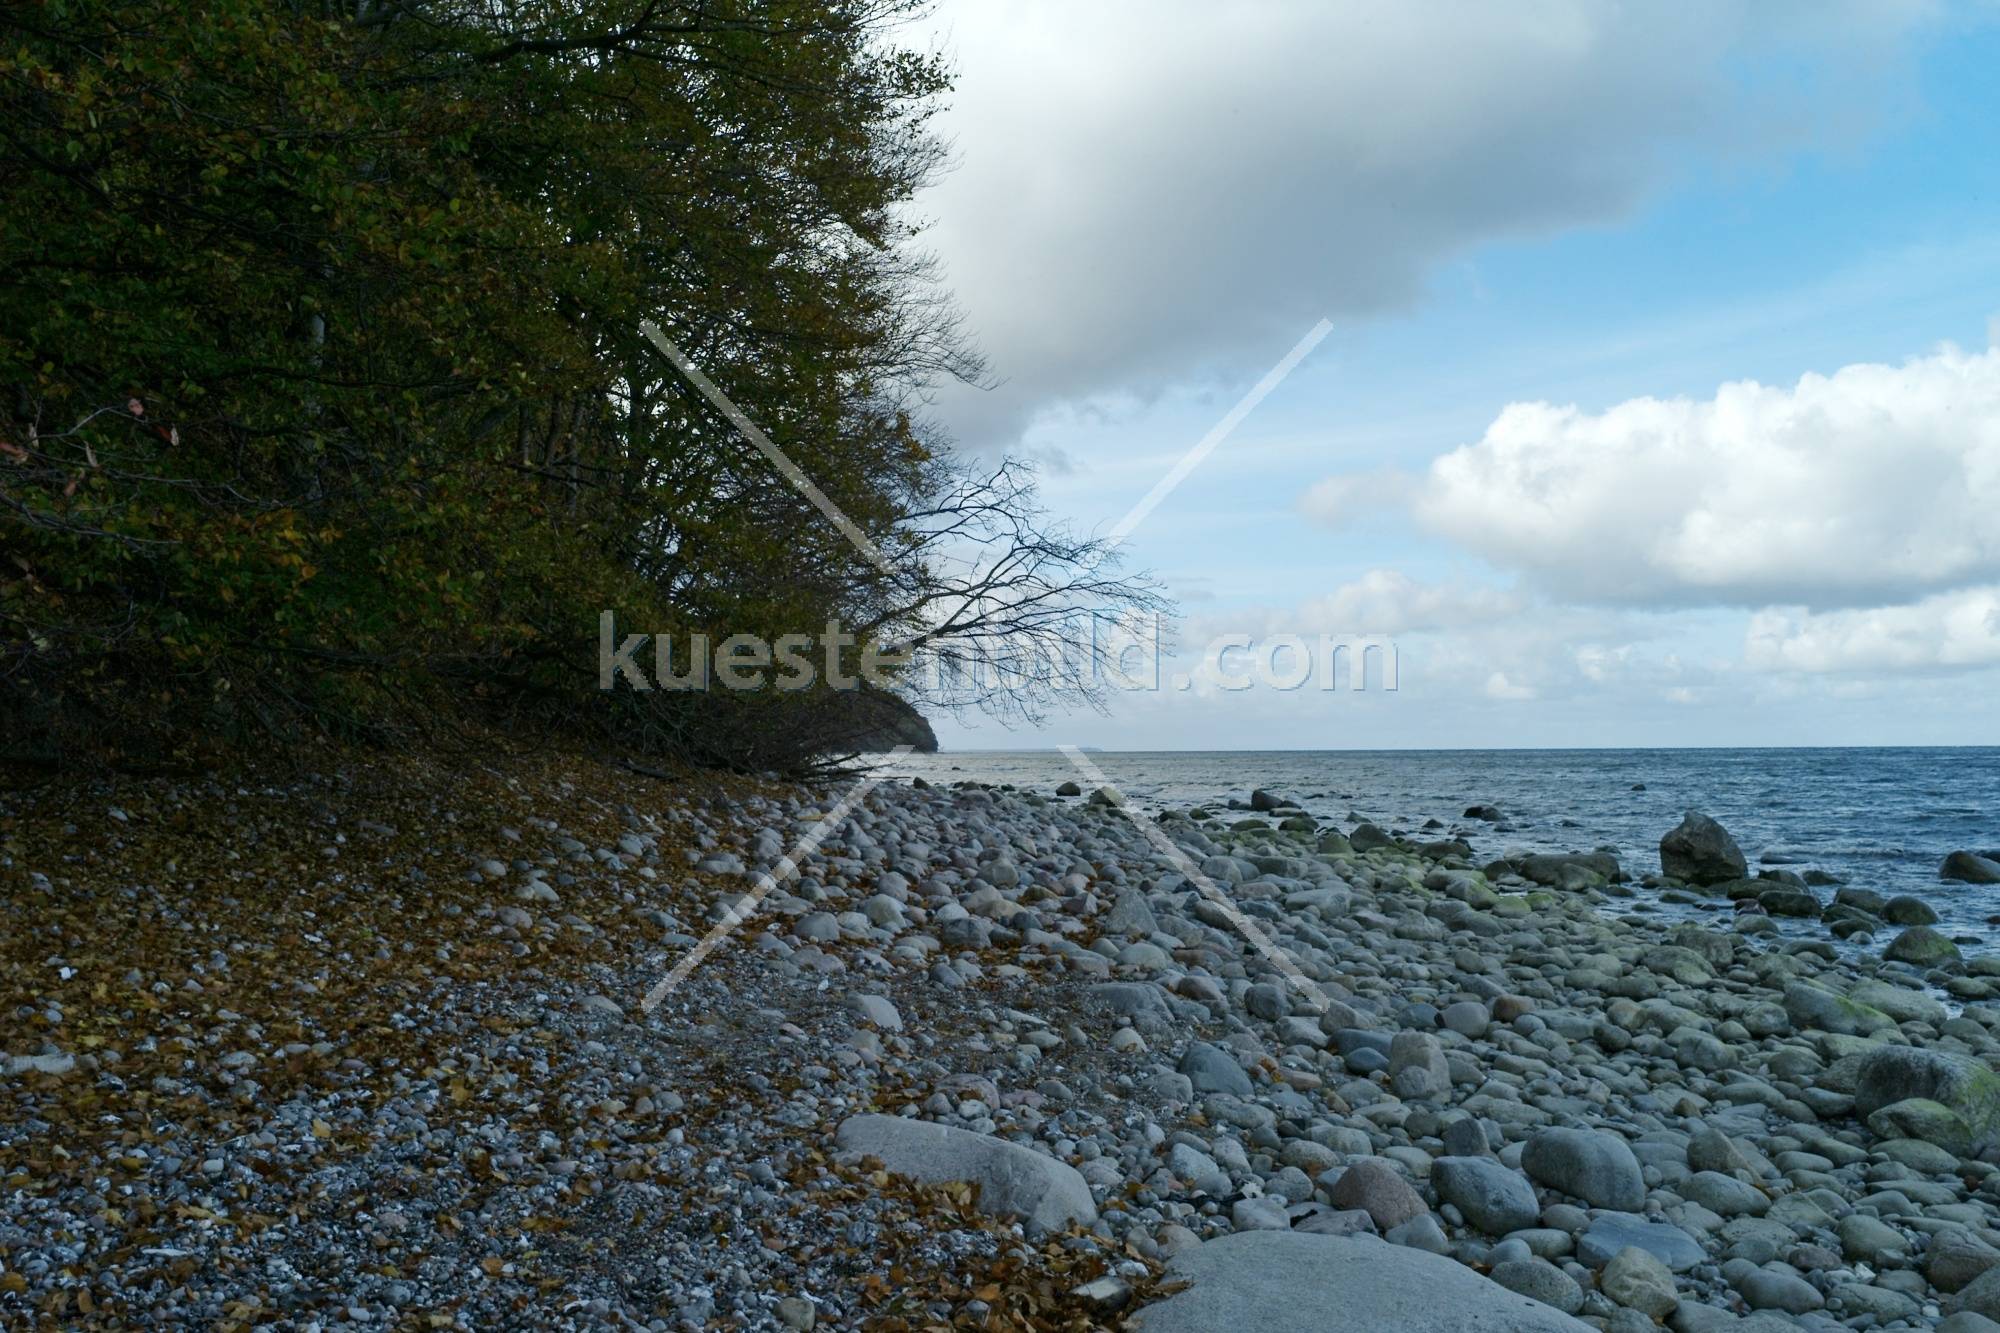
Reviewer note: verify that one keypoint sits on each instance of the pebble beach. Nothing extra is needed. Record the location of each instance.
(372, 1051)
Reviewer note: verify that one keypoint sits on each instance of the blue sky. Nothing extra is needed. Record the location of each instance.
(1570, 205)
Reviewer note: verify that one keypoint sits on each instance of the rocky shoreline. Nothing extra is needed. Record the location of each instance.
(992, 1060)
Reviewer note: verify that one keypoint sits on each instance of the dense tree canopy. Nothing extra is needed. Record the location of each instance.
(325, 395)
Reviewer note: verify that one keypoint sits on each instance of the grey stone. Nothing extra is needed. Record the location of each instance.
(1376, 1188)
(1905, 910)
(1921, 946)
(1870, 1240)
(1212, 1069)
(1466, 1137)
(1540, 1280)
(819, 927)
(1638, 1281)
(1701, 851)
(1012, 1180)
(1965, 1321)
(1956, 1259)
(1981, 1296)
(1970, 868)
(1131, 915)
(1320, 1220)
(877, 1009)
(1266, 1001)
(1417, 1068)
(1569, 870)
(1609, 1233)
(1711, 1150)
(1768, 1289)
(1816, 1008)
(1724, 1195)
(1420, 1233)
(1259, 1214)
(1593, 1165)
(1899, 1002)
(1965, 1087)
(1141, 1003)
(1859, 1298)
(1467, 1018)
(1492, 1197)
(1288, 1282)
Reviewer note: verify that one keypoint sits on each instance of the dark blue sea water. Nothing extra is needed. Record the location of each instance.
(1880, 818)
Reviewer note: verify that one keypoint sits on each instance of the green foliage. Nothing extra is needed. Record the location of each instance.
(324, 393)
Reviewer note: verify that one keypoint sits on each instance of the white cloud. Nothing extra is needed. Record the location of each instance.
(1458, 637)
(1875, 484)
(1950, 631)
(1388, 601)
(1152, 192)
(1335, 501)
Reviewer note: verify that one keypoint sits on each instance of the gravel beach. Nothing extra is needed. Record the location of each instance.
(371, 1051)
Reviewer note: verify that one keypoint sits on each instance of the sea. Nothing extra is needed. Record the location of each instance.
(1879, 818)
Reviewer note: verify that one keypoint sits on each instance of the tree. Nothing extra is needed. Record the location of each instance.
(325, 396)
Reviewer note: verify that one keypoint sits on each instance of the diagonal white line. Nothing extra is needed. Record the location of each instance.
(763, 444)
(1170, 849)
(1219, 432)
(746, 907)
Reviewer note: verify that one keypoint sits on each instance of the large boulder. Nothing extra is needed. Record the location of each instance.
(1593, 1165)
(1920, 946)
(1908, 910)
(1291, 1282)
(1701, 851)
(1970, 868)
(1968, 1090)
(1013, 1181)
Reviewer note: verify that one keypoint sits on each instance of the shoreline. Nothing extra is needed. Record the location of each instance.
(1556, 1114)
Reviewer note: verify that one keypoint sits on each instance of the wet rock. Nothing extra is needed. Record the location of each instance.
(1812, 1008)
(1700, 851)
(1920, 946)
(1970, 868)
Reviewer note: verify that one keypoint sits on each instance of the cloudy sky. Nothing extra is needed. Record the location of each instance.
(1661, 405)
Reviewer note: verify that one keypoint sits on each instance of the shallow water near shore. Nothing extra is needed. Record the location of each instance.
(1880, 818)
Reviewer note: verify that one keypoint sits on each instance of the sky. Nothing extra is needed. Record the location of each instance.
(1661, 402)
